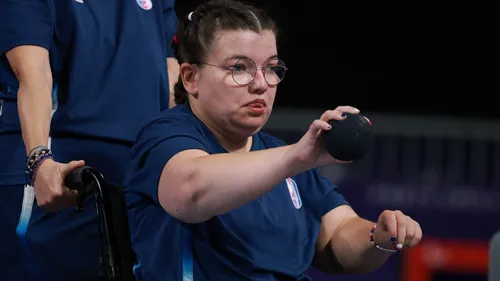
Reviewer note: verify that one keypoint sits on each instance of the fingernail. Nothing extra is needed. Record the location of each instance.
(393, 239)
(399, 246)
(329, 127)
(343, 115)
(356, 109)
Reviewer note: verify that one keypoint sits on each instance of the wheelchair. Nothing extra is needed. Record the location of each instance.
(117, 257)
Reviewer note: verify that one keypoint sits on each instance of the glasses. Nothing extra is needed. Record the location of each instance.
(244, 71)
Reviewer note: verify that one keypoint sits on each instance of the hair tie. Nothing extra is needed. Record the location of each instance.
(190, 16)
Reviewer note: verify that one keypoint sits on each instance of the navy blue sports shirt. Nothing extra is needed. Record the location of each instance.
(108, 60)
(271, 238)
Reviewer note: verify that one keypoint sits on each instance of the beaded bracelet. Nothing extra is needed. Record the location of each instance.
(35, 153)
(36, 148)
(39, 161)
(34, 160)
(379, 247)
(31, 159)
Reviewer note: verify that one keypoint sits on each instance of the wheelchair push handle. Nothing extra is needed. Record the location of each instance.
(74, 179)
(88, 181)
(77, 180)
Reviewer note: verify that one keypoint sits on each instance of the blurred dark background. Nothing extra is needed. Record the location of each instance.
(431, 59)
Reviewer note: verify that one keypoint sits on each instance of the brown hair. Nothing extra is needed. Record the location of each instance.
(196, 32)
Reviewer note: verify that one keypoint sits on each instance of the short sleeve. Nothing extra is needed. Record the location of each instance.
(26, 22)
(319, 194)
(170, 22)
(156, 144)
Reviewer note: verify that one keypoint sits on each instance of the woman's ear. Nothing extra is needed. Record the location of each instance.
(189, 74)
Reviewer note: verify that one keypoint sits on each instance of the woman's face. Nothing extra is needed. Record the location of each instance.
(241, 109)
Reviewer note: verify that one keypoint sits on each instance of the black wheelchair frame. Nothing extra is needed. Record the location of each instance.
(117, 257)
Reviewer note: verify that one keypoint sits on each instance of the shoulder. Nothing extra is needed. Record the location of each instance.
(180, 114)
(178, 120)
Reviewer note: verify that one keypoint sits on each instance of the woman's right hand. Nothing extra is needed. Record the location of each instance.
(50, 192)
(310, 151)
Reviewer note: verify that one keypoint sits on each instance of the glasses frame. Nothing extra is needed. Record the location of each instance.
(257, 68)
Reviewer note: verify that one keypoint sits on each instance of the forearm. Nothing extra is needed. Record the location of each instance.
(220, 183)
(35, 106)
(32, 69)
(353, 250)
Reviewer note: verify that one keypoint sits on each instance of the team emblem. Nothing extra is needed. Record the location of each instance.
(294, 193)
(145, 4)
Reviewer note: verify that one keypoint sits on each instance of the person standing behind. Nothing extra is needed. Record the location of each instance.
(106, 61)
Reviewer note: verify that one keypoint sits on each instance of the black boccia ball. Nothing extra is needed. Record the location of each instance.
(349, 139)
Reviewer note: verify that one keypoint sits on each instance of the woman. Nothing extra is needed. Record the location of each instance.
(210, 197)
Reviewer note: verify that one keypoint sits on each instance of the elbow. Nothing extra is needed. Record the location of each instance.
(188, 207)
(41, 82)
(31, 66)
(181, 196)
(40, 77)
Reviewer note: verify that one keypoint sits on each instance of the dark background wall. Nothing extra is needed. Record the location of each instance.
(387, 58)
